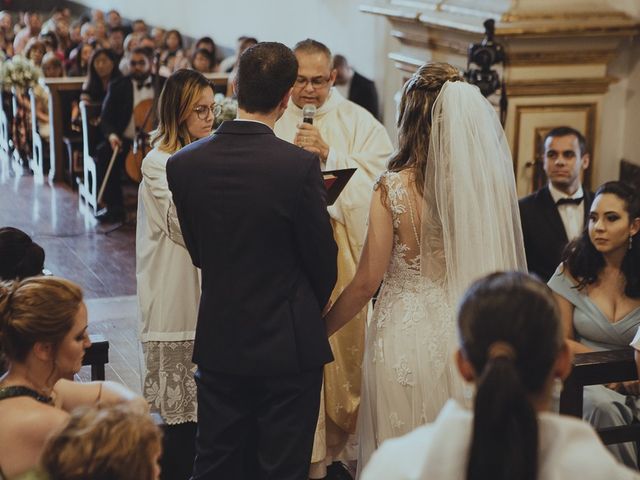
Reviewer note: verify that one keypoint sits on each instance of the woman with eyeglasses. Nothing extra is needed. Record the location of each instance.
(168, 283)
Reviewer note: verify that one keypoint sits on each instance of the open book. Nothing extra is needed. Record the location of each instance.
(335, 181)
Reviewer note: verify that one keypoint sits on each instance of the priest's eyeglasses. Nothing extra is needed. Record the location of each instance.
(202, 111)
(316, 82)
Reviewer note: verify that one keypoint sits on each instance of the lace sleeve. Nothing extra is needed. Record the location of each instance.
(393, 194)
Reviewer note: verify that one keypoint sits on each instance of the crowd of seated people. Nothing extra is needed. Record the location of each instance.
(74, 40)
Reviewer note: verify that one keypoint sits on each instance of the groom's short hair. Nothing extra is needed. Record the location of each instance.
(266, 72)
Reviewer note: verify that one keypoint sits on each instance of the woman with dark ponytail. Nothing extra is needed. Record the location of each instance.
(512, 349)
(598, 290)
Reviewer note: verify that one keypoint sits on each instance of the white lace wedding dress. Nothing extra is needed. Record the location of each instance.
(408, 372)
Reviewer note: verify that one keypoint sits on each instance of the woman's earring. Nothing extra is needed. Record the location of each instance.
(630, 242)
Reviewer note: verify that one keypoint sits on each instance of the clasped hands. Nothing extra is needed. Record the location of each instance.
(308, 137)
(626, 388)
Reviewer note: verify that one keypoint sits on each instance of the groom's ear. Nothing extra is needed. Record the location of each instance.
(464, 367)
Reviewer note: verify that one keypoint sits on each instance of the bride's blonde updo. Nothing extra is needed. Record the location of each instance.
(414, 117)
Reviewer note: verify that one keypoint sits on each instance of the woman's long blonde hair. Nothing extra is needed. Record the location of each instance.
(178, 97)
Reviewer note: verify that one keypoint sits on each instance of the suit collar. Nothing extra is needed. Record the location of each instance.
(244, 127)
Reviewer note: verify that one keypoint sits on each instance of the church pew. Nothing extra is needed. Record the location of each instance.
(597, 368)
(57, 119)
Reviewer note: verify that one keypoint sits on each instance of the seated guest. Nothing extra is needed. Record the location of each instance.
(139, 26)
(116, 41)
(102, 69)
(556, 213)
(512, 349)
(117, 122)
(226, 65)
(80, 63)
(52, 66)
(354, 86)
(243, 44)
(6, 33)
(33, 24)
(43, 334)
(598, 289)
(20, 256)
(106, 442)
(34, 51)
(168, 328)
(203, 61)
(51, 43)
(157, 34)
(172, 56)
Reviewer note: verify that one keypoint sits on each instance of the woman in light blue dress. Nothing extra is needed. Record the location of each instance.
(598, 289)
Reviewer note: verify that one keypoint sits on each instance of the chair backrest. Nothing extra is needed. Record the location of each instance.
(88, 186)
(4, 124)
(36, 162)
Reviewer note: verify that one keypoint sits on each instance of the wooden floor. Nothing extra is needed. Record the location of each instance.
(98, 258)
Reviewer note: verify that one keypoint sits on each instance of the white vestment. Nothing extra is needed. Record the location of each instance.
(168, 290)
(569, 448)
(356, 140)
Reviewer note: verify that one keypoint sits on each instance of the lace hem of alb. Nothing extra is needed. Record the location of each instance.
(169, 385)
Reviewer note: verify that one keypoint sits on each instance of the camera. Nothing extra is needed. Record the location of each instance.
(484, 55)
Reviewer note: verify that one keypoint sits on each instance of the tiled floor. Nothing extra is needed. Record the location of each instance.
(102, 261)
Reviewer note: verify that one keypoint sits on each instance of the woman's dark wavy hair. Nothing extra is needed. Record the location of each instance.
(519, 310)
(585, 263)
(95, 89)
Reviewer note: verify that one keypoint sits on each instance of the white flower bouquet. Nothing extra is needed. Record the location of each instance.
(18, 72)
(229, 108)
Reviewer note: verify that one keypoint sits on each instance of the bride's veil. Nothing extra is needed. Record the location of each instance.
(470, 218)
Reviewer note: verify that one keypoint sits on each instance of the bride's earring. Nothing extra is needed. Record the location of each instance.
(467, 392)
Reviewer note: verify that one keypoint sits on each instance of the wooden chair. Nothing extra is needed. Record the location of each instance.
(97, 355)
(88, 186)
(597, 368)
(36, 162)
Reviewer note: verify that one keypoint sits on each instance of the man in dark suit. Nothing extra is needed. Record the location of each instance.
(358, 88)
(117, 124)
(252, 210)
(558, 212)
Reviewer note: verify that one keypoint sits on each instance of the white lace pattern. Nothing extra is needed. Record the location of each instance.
(169, 384)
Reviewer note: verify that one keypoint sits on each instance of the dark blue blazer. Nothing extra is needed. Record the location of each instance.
(543, 231)
(252, 209)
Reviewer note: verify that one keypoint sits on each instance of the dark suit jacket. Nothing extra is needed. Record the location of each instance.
(117, 106)
(543, 231)
(363, 92)
(253, 214)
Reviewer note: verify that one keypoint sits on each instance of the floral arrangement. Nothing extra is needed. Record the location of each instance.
(18, 72)
(229, 108)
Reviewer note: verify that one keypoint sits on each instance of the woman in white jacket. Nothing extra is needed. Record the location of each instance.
(512, 348)
(168, 285)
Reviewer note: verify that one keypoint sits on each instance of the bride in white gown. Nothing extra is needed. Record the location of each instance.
(444, 214)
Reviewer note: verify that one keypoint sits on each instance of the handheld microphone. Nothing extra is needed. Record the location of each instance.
(308, 112)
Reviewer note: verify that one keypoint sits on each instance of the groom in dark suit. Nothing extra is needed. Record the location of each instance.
(252, 210)
(558, 212)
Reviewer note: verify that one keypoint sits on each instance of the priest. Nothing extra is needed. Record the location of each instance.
(343, 135)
